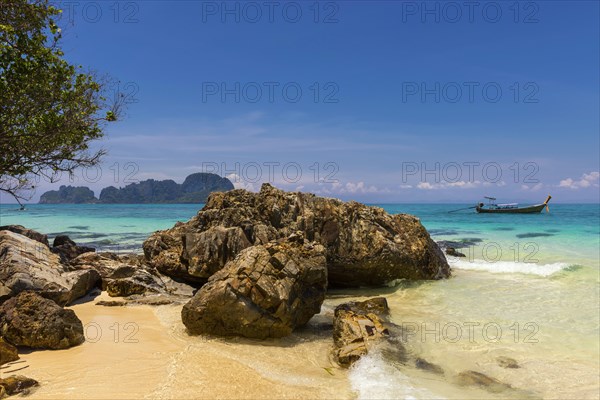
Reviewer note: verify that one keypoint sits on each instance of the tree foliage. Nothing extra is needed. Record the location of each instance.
(50, 110)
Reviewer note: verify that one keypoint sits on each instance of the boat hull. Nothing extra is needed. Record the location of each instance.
(523, 210)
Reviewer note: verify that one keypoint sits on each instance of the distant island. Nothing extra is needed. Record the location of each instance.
(194, 189)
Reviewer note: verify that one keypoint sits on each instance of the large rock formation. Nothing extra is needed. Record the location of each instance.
(26, 264)
(266, 291)
(70, 195)
(33, 321)
(364, 245)
(195, 189)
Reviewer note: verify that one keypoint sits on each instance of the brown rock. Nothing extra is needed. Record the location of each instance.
(266, 291)
(16, 384)
(25, 264)
(357, 326)
(68, 249)
(30, 233)
(8, 352)
(364, 245)
(33, 321)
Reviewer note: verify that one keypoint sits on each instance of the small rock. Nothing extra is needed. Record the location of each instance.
(67, 249)
(474, 378)
(451, 251)
(16, 384)
(111, 303)
(507, 362)
(8, 352)
(356, 325)
(427, 366)
(33, 321)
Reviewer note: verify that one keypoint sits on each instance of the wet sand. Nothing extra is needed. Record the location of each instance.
(136, 352)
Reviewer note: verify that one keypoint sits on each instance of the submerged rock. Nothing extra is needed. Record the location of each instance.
(427, 366)
(474, 378)
(266, 291)
(33, 321)
(357, 326)
(8, 352)
(363, 245)
(507, 362)
(451, 251)
(26, 264)
(16, 384)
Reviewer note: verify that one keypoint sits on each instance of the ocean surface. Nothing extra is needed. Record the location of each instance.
(528, 289)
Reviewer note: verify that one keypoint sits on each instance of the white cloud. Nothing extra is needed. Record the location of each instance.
(239, 183)
(587, 180)
(533, 188)
(446, 185)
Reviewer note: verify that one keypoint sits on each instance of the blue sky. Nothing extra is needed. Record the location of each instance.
(398, 103)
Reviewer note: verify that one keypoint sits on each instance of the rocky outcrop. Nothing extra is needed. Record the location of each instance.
(8, 352)
(356, 327)
(128, 275)
(30, 233)
(26, 264)
(33, 321)
(266, 291)
(16, 384)
(67, 249)
(363, 245)
(195, 189)
(69, 195)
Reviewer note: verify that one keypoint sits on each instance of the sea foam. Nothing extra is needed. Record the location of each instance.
(372, 377)
(509, 267)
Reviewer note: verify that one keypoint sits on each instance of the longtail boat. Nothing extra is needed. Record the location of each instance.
(511, 208)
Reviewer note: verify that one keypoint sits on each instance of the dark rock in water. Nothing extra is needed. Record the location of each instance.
(474, 378)
(33, 321)
(30, 233)
(356, 326)
(67, 249)
(8, 352)
(16, 384)
(451, 251)
(365, 246)
(266, 291)
(533, 235)
(507, 362)
(25, 264)
(427, 366)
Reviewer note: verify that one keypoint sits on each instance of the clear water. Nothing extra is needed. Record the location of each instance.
(535, 277)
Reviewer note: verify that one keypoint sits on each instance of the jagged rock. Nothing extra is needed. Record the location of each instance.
(266, 291)
(364, 245)
(111, 303)
(30, 233)
(26, 264)
(427, 366)
(356, 326)
(33, 321)
(474, 378)
(8, 352)
(16, 384)
(68, 249)
(507, 362)
(128, 275)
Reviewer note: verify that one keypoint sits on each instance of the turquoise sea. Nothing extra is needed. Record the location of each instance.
(529, 284)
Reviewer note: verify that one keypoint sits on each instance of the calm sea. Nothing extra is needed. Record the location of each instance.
(528, 289)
